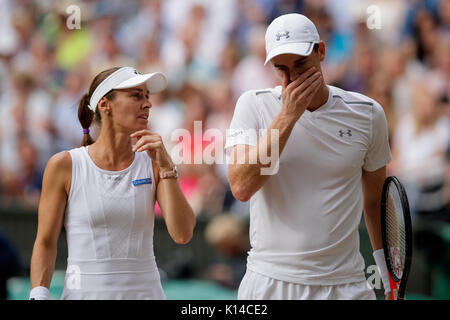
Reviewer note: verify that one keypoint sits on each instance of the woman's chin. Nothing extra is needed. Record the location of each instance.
(141, 126)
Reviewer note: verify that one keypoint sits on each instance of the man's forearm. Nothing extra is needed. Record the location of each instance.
(372, 183)
(373, 225)
(249, 171)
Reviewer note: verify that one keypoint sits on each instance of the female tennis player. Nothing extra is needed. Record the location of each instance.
(104, 192)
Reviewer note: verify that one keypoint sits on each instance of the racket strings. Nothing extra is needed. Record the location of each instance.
(395, 227)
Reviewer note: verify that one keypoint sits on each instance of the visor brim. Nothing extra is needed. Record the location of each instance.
(156, 82)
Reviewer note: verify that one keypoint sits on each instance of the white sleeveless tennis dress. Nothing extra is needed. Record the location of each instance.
(109, 222)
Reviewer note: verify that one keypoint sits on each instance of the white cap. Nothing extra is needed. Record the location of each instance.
(290, 33)
(128, 77)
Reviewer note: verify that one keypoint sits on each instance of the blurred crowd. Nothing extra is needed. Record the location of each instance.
(396, 52)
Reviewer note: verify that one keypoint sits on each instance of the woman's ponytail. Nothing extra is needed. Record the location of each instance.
(86, 116)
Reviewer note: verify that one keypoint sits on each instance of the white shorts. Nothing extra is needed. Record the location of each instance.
(255, 286)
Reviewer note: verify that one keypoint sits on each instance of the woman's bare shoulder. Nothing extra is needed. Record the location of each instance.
(59, 167)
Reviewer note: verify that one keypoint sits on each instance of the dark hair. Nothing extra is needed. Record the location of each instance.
(85, 114)
(316, 47)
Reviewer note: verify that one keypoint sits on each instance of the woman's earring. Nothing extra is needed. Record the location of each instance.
(108, 113)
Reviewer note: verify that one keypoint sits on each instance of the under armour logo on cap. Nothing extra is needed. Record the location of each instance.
(137, 72)
(279, 35)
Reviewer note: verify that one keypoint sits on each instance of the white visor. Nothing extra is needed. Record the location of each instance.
(128, 77)
(299, 48)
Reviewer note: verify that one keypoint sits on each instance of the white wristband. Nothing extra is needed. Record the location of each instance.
(40, 293)
(380, 260)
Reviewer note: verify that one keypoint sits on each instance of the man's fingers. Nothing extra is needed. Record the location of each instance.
(285, 79)
(305, 97)
(303, 77)
(306, 84)
(315, 84)
(312, 89)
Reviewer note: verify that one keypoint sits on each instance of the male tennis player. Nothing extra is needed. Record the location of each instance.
(333, 149)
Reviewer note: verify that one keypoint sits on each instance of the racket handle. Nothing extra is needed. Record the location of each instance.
(394, 288)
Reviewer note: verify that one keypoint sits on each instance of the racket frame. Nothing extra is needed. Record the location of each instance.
(408, 235)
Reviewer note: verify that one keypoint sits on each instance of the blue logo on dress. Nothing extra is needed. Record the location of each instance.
(142, 181)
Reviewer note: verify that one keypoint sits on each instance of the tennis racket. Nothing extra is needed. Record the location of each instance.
(396, 231)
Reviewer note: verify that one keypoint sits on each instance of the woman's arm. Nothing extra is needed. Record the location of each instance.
(177, 213)
(55, 188)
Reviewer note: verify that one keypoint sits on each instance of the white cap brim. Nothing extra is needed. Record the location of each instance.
(128, 77)
(299, 48)
(156, 82)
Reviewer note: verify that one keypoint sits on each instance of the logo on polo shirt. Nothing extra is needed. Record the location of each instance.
(235, 133)
(348, 133)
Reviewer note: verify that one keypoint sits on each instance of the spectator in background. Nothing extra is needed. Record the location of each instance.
(107, 52)
(30, 177)
(228, 236)
(379, 89)
(10, 264)
(280, 7)
(229, 59)
(66, 128)
(251, 13)
(25, 110)
(444, 17)
(383, 84)
(149, 58)
(142, 26)
(414, 7)
(196, 32)
(250, 73)
(340, 41)
(74, 47)
(10, 38)
(198, 181)
(440, 70)
(37, 60)
(221, 100)
(419, 152)
(426, 29)
(167, 115)
(362, 67)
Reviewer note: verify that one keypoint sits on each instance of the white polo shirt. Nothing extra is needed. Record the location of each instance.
(304, 220)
